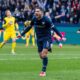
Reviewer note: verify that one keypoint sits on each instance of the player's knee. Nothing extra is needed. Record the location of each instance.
(27, 36)
(43, 54)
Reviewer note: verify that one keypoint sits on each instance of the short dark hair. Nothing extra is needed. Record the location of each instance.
(40, 9)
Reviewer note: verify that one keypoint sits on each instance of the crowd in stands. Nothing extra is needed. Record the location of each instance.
(24, 9)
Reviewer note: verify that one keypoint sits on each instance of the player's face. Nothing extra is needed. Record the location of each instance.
(38, 13)
(8, 13)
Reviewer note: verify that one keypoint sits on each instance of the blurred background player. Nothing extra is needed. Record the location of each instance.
(28, 34)
(10, 26)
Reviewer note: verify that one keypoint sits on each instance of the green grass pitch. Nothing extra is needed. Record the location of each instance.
(64, 64)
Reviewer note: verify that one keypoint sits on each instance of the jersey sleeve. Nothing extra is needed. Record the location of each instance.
(32, 21)
(50, 24)
(4, 23)
(16, 24)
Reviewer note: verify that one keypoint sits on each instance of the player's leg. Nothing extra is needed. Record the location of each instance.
(44, 58)
(27, 39)
(40, 48)
(13, 36)
(43, 51)
(13, 45)
(33, 37)
(3, 43)
(6, 37)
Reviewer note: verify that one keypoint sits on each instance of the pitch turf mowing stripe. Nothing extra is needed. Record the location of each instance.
(61, 75)
(64, 64)
(54, 65)
(36, 57)
(24, 59)
(3, 54)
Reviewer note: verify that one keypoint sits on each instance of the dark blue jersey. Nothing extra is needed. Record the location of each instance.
(42, 27)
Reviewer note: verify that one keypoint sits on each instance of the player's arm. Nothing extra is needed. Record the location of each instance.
(4, 24)
(26, 29)
(53, 28)
(56, 30)
(16, 25)
(58, 33)
(59, 16)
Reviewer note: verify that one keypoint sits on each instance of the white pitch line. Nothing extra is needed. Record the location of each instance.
(54, 72)
(59, 54)
(19, 59)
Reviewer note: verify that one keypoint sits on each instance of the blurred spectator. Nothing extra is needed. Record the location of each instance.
(42, 4)
(24, 9)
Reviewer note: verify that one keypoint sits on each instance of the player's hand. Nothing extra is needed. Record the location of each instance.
(10, 23)
(64, 39)
(19, 36)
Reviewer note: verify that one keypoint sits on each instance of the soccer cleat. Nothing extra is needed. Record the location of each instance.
(42, 74)
(13, 52)
(60, 45)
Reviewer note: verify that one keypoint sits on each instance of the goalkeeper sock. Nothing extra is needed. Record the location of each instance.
(33, 40)
(13, 46)
(27, 41)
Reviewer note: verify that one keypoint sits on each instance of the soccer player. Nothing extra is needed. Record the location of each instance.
(43, 26)
(10, 26)
(28, 34)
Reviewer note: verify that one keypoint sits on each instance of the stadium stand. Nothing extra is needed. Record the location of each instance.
(24, 9)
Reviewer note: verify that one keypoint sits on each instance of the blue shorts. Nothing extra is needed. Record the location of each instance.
(44, 44)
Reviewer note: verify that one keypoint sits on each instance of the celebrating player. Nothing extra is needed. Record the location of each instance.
(43, 26)
(10, 27)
